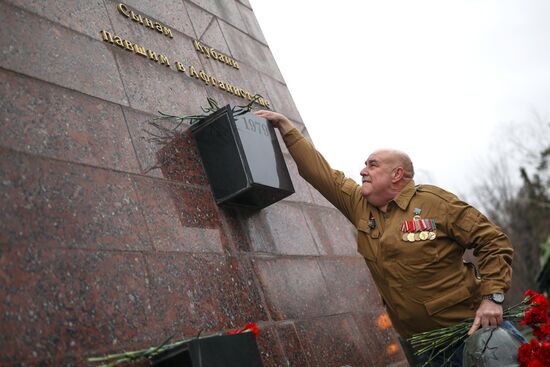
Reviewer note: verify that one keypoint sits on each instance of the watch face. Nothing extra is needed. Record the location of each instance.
(498, 297)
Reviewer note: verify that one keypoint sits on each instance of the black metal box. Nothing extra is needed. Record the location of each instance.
(239, 350)
(243, 159)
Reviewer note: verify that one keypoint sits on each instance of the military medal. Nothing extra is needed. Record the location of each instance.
(432, 227)
(372, 221)
(418, 228)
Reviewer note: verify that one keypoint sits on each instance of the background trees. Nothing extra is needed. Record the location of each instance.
(515, 193)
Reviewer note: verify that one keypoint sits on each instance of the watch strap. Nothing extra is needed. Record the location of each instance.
(497, 298)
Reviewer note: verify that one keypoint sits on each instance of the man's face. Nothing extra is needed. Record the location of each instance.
(377, 177)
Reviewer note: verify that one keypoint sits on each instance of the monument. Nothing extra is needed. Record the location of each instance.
(110, 241)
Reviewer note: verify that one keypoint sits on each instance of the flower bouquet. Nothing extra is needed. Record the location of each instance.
(532, 311)
(536, 353)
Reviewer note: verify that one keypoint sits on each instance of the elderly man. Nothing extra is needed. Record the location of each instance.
(413, 238)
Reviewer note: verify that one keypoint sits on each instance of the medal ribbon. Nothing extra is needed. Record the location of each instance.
(417, 225)
(423, 224)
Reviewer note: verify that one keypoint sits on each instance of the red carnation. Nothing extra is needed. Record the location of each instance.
(526, 352)
(530, 293)
(538, 299)
(537, 316)
(250, 326)
(537, 363)
(543, 354)
(542, 331)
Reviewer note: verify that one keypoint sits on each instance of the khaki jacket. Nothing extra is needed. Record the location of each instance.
(424, 284)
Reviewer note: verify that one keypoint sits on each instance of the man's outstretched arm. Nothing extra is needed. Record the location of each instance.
(342, 192)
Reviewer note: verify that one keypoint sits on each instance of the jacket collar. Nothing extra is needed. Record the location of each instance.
(403, 199)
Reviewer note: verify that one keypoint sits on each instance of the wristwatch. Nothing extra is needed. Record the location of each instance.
(497, 298)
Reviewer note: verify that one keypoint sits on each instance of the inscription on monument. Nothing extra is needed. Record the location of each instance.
(143, 20)
(134, 47)
(255, 126)
(216, 55)
(161, 59)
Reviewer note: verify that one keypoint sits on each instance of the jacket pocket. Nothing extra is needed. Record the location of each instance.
(450, 299)
(367, 240)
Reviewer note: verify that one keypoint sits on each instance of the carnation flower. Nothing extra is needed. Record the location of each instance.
(543, 354)
(251, 326)
(527, 352)
(532, 311)
(542, 331)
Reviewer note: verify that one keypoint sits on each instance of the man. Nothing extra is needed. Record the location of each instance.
(413, 239)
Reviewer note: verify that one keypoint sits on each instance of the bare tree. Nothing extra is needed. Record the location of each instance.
(517, 198)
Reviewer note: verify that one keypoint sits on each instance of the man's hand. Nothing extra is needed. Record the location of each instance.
(488, 314)
(278, 120)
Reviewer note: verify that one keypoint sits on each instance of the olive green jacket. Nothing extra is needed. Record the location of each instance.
(424, 283)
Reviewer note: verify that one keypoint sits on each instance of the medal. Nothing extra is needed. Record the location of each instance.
(372, 221)
(418, 228)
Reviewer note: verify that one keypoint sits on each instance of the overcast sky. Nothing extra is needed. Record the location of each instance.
(438, 79)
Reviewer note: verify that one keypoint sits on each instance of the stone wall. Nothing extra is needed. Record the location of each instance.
(111, 242)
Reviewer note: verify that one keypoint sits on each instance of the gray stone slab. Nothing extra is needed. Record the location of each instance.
(245, 2)
(200, 18)
(48, 203)
(250, 51)
(213, 37)
(48, 120)
(289, 230)
(334, 234)
(302, 193)
(280, 98)
(83, 16)
(251, 23)
(45, 50)
(223, 9)
(334, 340)
(294, 288)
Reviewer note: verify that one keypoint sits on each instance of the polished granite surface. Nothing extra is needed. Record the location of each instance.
(110, 241)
